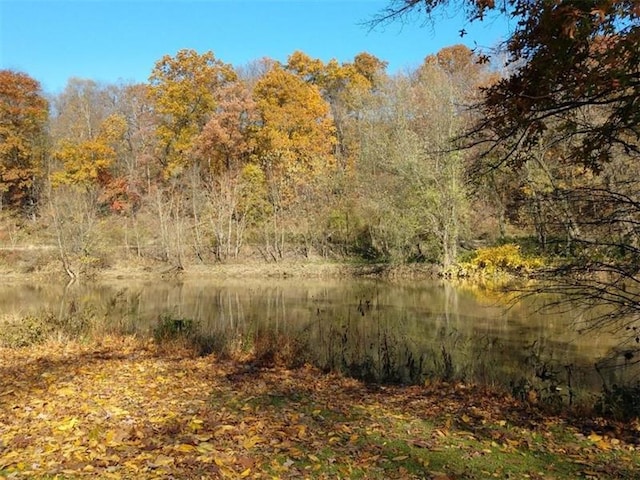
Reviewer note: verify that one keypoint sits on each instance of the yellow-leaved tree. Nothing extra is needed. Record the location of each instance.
(183, 90)
(345, 87)
(295, 150)
(348, 88)
(86, 163)
(295, 141)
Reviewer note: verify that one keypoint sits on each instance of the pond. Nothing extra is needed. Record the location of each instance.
(407, 332)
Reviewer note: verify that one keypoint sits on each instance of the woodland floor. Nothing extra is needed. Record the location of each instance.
(126, 408)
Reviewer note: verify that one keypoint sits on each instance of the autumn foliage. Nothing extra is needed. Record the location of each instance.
(295, 141)
(183, 91)
(23, 117)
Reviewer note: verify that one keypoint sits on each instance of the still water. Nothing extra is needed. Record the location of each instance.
(400, 332)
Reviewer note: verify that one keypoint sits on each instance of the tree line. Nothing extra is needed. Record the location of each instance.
(206, 162)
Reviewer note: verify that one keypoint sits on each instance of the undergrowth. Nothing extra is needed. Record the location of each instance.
(501, 260)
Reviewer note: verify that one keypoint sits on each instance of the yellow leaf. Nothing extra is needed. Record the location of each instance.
(400, 458)
(118, 412)
(9, 456)
(205, 447)
(109, 436)
(465, 418)
(295, 452)
(252, 441)
(313, 458)
(66, 392)
(115, 437)
(223, 429)
(246, 473)
(68, 424)
(132, 466)
(163, 461)
(195, 424)
(185, 448)
(594, 437)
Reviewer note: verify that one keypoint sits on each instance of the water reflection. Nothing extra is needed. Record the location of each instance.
(403, 332)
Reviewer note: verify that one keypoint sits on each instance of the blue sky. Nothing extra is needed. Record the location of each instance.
(120, 40)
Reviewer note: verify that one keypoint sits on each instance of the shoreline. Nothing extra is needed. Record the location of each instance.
(246, 269)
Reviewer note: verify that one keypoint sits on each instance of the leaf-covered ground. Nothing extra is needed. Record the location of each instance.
(126, 409)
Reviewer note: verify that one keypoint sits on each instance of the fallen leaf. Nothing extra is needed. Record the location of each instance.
(421, 444)
(223, 429)
(594, 437)
(252, 441)
(163, 461)
(185, 448)
(195, 424)
(205, 447)
(66, 392)
(68, 424)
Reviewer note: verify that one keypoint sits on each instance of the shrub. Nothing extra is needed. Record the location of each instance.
(503, 259)
(620, 401)
(170, 328)
(26, 331)
(274, 348)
